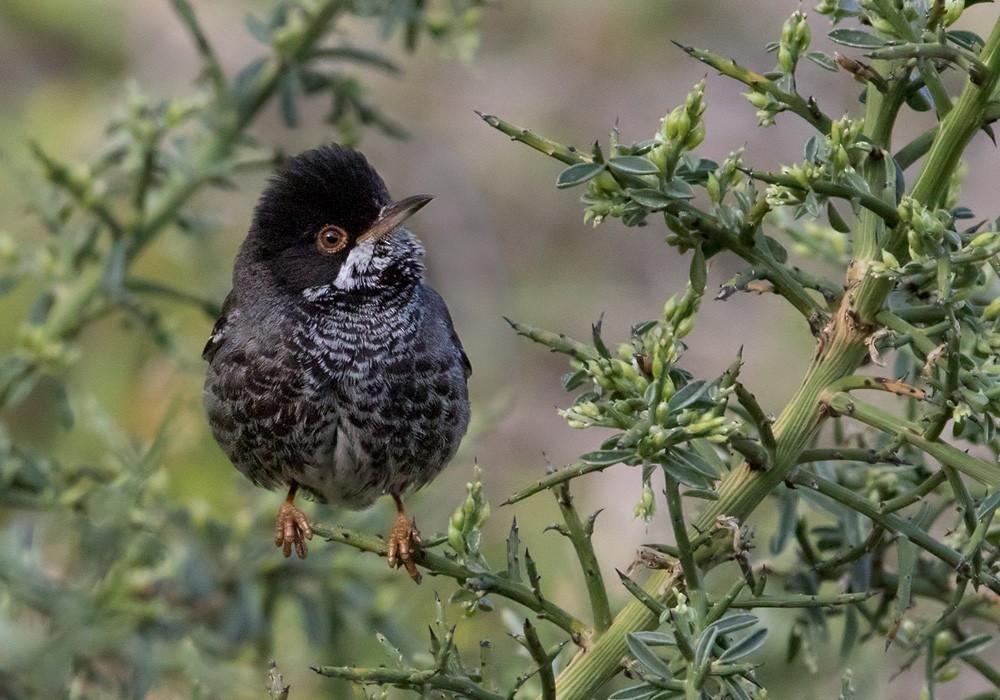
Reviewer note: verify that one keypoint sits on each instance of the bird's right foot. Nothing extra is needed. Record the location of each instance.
(291, 527)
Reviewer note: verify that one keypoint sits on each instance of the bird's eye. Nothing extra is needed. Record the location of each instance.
(331, 239)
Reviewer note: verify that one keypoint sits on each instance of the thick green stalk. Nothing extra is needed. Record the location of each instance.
(839, 354)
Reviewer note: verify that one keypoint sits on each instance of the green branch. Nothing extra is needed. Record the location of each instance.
(807, 109)
(980, 470)
(416, 680)
(884, 210)
(895, 523)
(479, 581)
(579, 534)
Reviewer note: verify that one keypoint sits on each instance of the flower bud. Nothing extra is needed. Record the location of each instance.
(646, 508)
(952, 11)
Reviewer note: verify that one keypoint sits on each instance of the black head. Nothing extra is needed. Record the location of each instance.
(321, 209)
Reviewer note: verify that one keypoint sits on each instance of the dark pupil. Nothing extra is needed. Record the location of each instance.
(332, 238)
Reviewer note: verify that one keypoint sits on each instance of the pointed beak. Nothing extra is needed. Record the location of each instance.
(394, 215)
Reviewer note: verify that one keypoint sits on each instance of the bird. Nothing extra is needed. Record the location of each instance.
(334, 369)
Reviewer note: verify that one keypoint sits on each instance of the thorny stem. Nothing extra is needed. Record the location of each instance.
(840, 352)
(948, 455)
(478, 581)
(889, 521)
(431, 678)
(579, 534)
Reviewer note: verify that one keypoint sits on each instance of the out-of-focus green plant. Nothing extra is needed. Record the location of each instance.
(893, 523)
(111, 586)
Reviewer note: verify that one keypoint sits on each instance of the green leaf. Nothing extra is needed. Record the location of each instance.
(744, 647)
(572, 380)
(687, 395)
(650, 198)
(259, 29)
(368, 58)
(906, 563)
(678, 189)
(850, 639)
(787, 518)
(683, 473)
(245, 80)
(656, 639)
(919, 100)
(578, 174)
(648, 658)
(735, 623)
(856, 38)
(633, 165)
(823, 60)
(966, 39)
(837, 222)
(988, 505)
(968, 647)
(288, 92)
(635, 692)
(606, 457)
(706, 643)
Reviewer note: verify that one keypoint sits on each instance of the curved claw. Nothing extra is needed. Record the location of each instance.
(402, 538)
(292, 530)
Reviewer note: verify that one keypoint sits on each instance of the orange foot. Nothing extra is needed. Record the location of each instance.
(402, 538)
(291, 527)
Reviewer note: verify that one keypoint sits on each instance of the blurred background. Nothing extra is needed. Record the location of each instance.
(501, 241)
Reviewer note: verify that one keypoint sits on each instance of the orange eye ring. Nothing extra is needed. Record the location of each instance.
(331, 239)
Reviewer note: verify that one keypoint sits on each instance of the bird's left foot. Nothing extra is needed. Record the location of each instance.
(402, 538)
(292, 528)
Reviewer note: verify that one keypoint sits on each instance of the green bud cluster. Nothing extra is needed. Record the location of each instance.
(795, 38)
(804, 175)
(843, 137)
(875, 18)
(645, 509)
(54, 355)
(604, 197)
(767, 106)
(681, 130)
(925, 228)
(464, 524)
(634, 389)
(727, 176)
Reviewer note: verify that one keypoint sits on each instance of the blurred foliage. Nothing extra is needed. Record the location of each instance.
(112, 585)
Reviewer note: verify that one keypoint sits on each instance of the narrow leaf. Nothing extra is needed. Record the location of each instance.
(656, 639)
(578, 174)
(633, 165)
(706, 643)
(744, 647)
(735, 623)
(968, 647)
(856, 38)
(650, 198)
(988, 506)
(823, 60)
(606, 457)
(648, 658)
(635, 692)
